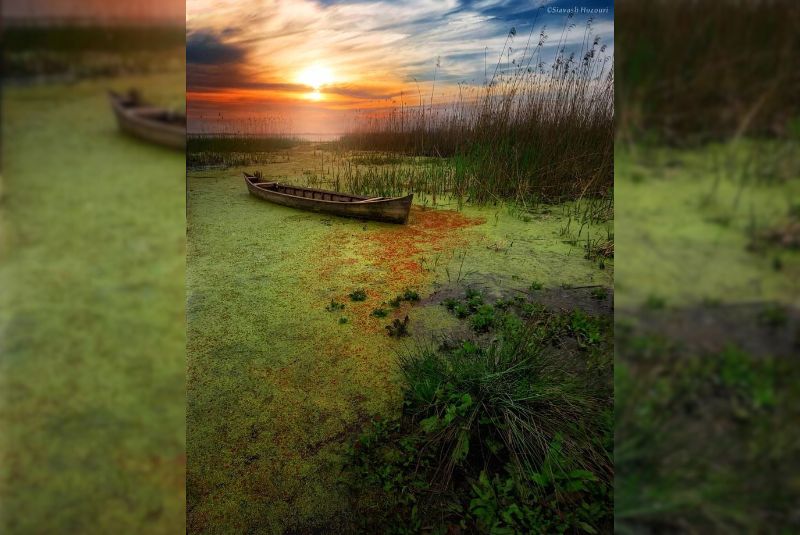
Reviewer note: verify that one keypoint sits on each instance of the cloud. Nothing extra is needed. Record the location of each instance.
(206, 48)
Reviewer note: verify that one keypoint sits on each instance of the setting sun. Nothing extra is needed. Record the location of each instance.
(315, 76)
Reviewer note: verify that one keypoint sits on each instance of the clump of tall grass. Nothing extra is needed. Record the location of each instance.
(515, 389)
(534, 129)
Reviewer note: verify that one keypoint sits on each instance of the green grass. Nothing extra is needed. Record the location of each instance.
(92, 311)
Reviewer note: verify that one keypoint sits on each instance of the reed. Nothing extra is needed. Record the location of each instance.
(534, 129)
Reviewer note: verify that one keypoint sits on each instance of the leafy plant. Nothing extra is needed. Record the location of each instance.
(655, 302)
(358, 295)
(587, 330)
(461, 311)
(483, 319)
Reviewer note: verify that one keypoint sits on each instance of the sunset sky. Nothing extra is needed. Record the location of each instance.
(305, 66)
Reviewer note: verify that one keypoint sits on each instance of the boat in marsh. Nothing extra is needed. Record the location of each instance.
(150, 123)
(388, 209)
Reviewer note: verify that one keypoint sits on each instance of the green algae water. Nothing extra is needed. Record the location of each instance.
(685, 225)
(279, 381)
(92, 315)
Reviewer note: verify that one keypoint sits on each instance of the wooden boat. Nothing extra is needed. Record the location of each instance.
(147, 122)
(388, 209)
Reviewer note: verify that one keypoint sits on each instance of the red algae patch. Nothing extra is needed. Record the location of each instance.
(384, 260)
(399, 249)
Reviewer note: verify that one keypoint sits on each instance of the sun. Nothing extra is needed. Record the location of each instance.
(315, 77)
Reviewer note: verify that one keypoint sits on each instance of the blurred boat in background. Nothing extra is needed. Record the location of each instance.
(150, 123)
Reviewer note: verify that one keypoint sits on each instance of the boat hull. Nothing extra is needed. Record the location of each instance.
(143, 123)
(394, 210)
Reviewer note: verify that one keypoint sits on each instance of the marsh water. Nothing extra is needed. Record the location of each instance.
(278, 383)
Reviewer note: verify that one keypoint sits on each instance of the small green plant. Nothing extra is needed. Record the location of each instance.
(483, 319)
(358, 295)
(398, 328)
(754, 380)
(379, 313)
(587, 330)
(474, 300)
(536, 286)
(343, 320)
(334, 306)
